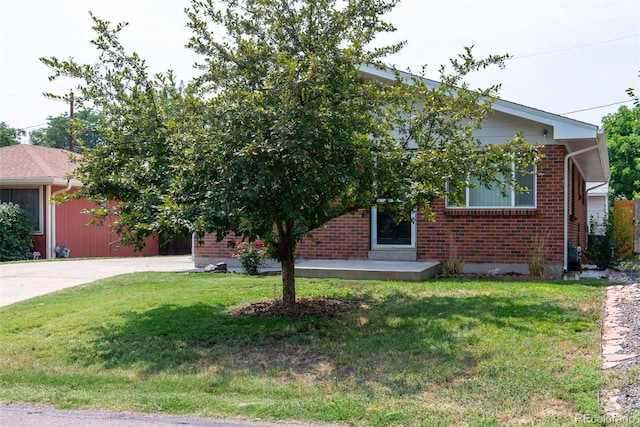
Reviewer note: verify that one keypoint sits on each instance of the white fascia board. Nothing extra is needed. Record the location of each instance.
(24, 182)
(597, 188)
(562, 127)
(390, 75)
(604, 154)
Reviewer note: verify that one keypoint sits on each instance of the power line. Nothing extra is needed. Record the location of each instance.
(599, 106)
(33, 126)
(573, 47)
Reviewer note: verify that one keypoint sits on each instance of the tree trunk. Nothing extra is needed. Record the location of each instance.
(288, 278)
(286, 250)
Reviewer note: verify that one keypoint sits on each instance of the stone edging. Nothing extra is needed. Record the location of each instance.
(614, 335)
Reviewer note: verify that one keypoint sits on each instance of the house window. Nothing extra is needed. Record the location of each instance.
(483, 197)
(386, 233)
(29, 199)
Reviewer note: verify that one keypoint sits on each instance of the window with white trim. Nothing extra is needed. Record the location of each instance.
(29, 200)
(483, 197)
(386, 233)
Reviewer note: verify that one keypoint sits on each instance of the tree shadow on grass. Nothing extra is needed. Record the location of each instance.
(400, 343)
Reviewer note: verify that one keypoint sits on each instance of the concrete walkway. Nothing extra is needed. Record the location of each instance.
(415, 271)
(21, 281)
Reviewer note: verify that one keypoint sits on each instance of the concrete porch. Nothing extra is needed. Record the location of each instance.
(414, 271)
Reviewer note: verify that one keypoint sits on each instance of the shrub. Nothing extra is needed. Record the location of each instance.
(251, 255)
(539, 251)
(452, 266)
(623, 228)
(15, 232)
(605, 248)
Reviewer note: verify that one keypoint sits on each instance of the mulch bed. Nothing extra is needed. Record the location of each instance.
(304, 307)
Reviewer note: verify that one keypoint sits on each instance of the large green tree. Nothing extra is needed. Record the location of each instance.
(282, 131)
(9, 135)
(623, 140)
(59, 128)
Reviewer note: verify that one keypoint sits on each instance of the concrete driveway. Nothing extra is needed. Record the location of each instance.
(26, 280)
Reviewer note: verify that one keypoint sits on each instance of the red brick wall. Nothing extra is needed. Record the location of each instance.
(209, 248)
(481, 235)
(502, 235)
(577, 225)
(346, 237)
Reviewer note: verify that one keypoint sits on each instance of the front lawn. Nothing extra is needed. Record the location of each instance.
(442, 352)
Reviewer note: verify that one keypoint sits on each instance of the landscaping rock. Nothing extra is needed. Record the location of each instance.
(623, 317)
(220, 267)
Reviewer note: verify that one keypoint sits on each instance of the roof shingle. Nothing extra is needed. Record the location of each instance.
(32, 161)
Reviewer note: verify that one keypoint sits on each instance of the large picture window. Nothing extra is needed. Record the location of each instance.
(29, 200)
(483, 197)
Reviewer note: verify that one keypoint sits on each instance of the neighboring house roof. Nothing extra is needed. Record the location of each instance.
(32, 164)
(597, 189)
(584, 142)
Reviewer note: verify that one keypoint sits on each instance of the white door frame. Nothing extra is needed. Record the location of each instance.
(374, 233)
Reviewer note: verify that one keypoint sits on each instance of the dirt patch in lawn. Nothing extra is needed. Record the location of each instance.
(304, 307)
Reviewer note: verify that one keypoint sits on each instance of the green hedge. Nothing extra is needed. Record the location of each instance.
(15, 232)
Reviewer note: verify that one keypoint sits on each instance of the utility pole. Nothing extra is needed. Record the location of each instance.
(71, 121)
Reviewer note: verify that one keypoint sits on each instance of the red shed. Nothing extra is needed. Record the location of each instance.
(29, 176)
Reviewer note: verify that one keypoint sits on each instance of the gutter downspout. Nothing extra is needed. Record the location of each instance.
(566, 201)
(51, 218)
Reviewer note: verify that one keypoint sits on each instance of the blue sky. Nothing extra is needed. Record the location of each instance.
(569, 55)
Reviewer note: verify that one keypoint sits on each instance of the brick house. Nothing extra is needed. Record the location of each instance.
(29, 176)
(490, 231)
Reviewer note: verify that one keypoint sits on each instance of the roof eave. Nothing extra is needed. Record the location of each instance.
(22, 182)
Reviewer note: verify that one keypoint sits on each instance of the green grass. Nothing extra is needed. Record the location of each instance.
(443, 352)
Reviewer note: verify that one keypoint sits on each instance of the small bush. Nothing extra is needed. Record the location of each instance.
(15, 232)
(252, 256)
(539, 251)
(623, 228)
(452, 266)
(604, 248)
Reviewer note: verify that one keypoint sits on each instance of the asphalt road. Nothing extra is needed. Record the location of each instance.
(39, 416)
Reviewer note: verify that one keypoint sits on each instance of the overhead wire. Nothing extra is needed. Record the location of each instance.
(514, 57)
(599, 106)
(572, 47)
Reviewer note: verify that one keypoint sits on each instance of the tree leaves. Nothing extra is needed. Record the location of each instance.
(282, 131)
(9, 135)
(623, 140)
